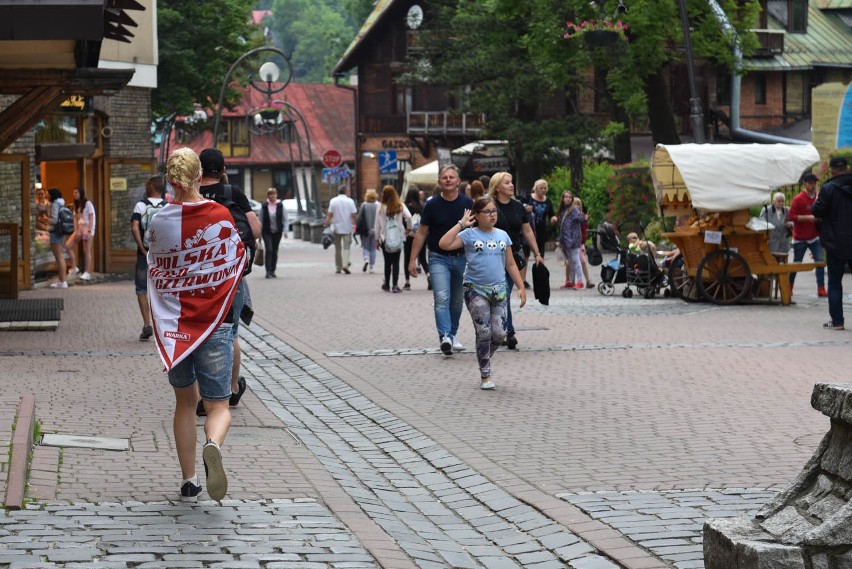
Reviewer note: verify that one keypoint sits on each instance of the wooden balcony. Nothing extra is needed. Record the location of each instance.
(444, 122)
(771, 43)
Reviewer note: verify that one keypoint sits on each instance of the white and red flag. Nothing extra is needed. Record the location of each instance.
(195, 263)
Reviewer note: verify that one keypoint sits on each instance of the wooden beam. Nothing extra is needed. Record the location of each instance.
(23, 114)
(82, 81)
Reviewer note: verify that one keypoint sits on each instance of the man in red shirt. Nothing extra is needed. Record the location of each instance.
(805, 231)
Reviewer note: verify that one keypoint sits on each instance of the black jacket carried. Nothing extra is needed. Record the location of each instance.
(833, 208)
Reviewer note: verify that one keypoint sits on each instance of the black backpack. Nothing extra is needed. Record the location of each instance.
(240, 221)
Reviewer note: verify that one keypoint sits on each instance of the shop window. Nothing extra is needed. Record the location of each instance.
(57, 128)
(234, 140)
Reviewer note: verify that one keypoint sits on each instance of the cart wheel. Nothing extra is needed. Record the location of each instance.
(641, 290)
(627, 293)
(606, 289)
(666, 293)
(682, 285)
(649, 293)
(724, 277)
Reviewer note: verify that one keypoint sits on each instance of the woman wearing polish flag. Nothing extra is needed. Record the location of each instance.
(195, 263)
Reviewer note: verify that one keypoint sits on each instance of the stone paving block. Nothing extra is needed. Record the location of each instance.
(593, 562)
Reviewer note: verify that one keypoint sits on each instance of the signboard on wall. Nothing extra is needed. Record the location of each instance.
(831, 112)
(387, 162)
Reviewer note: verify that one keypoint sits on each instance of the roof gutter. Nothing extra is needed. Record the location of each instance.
(738, 133)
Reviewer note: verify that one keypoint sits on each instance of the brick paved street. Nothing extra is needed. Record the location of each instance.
(610, 405)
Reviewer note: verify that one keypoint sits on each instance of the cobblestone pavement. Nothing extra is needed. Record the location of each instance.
(603, 423)
(670, 523)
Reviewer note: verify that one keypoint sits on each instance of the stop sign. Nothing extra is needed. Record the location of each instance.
(332, 159)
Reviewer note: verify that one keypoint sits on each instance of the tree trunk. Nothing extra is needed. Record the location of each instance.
(621, 147)
(660, 112)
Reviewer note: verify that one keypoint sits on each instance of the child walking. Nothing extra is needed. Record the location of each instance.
(488, 251)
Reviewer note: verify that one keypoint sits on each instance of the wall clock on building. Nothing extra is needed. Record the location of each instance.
(414, 17)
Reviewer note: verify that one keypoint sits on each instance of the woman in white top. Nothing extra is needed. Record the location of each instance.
(84, 231)
(393, 223)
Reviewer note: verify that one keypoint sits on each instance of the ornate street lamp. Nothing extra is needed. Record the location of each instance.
(275, 116)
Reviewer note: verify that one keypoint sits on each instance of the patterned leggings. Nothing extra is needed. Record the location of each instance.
(489, 322)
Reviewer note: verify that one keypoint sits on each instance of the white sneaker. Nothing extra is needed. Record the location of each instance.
(59, 284)
(86, 276)
(447, 345)
(487, 385)
(456, 344)
(73, 272)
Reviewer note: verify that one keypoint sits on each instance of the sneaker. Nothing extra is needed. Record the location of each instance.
(59, 284)
(447, 345)
(386, 288)
(590, 284)
(366, 264)
(73, 272)
(487, 385)
(189, 492)
(406, 286)
(217, 482)
(567, 285)
(241, 389)
(579, 286)
(821, 292)
(200, 411)
(830, 325)
(147, 332)
(396, 289)
(511, 342)
(347, 271)
(86, 276)
(456, 344)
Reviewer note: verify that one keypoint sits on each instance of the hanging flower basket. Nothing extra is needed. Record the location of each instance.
(601, 38)
(597, 33)
(269, 114)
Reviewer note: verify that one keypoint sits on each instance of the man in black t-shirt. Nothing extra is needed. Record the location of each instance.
(213, 180)
(446, 268)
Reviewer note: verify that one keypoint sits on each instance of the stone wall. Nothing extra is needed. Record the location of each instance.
(129, 118)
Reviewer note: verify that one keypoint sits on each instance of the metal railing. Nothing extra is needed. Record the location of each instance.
(444, 122)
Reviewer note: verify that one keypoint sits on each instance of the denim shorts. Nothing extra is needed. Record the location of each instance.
(141, 276)
(210, 364)
(56, 238)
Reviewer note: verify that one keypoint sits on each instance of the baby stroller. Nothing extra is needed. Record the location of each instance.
(637, 270)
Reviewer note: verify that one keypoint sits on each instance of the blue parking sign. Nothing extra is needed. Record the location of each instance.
(387, 162)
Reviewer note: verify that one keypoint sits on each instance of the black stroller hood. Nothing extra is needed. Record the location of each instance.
(607, 238)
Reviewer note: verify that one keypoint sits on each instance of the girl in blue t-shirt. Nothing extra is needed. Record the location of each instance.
(488, 251)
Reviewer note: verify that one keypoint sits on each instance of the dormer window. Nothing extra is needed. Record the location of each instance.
(792, 14)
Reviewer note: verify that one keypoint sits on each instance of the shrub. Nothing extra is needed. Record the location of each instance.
(632, 202)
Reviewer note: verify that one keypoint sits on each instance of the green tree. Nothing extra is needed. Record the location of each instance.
(517, 64)
(198, 42)
(314, 34)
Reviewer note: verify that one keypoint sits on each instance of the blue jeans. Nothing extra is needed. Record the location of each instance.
(209, 364)
(510, 284)
(835, 268)
(799, 248)
(447, 274)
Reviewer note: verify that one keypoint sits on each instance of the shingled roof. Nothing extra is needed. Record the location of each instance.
(327, 110)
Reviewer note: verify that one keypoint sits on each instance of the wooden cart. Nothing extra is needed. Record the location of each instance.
(709, 189)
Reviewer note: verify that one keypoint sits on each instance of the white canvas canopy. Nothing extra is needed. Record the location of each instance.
(729, 177)
(426, 175)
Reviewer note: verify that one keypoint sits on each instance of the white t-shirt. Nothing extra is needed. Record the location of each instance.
(342, 207)
(88, 212)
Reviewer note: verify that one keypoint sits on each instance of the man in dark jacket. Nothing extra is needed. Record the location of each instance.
(833, 207)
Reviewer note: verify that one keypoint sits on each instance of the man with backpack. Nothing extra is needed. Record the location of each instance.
(143, 213)
(214, 188)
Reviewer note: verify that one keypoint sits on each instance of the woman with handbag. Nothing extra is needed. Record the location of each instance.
(273, 224)
(512, 218)
(365, 227)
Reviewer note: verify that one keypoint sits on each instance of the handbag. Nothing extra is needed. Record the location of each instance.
(327, 238)
(593, 256)
(520, 260)
(259, 254)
